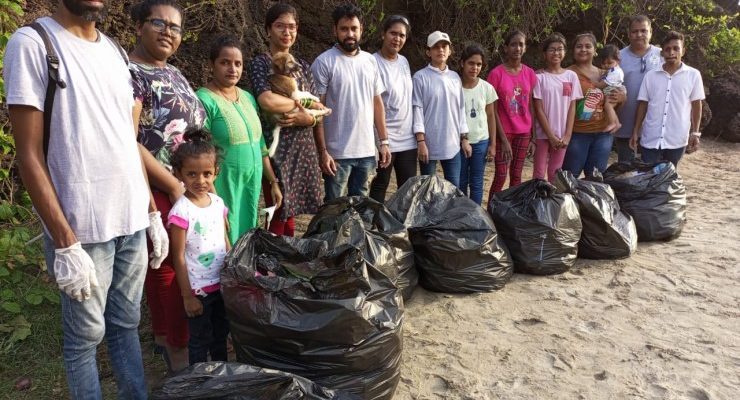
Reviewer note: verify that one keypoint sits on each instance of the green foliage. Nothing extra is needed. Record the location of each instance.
(723, 50)
(21, 292)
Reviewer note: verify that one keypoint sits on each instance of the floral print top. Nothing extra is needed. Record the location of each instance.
(169, 108)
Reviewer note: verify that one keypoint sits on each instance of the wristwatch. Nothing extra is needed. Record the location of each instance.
(697, 134)
(385, 142)
(463, 136)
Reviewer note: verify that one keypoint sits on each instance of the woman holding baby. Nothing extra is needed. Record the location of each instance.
(295, 161)
(235, 125)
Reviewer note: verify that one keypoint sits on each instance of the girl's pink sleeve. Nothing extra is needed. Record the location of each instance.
(178, 221)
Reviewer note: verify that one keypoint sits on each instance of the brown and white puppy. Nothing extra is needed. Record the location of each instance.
(283, 83)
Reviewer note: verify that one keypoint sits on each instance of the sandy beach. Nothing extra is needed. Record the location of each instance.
(663, 324)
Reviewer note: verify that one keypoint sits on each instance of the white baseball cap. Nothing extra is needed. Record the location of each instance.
(436, 36)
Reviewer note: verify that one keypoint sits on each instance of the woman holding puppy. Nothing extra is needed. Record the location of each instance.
(237, 132)
(295, 161)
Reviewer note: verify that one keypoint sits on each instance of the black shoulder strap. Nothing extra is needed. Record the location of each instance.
(120, 49)
(52, 64)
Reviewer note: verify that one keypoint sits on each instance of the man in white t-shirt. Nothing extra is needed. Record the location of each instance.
(669, 109)
(349, 82)
(89, 188)
(637, 59)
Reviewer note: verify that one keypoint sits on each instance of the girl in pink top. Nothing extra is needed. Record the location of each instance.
(514, 83)
(555, 98)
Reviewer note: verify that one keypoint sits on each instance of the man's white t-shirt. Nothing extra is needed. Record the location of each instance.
(350, 83)
(93, 157)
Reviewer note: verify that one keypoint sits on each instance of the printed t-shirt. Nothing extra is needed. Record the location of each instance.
(476, 100)
(590, 112)
(513, 92)
(556, 91)
(205, 240)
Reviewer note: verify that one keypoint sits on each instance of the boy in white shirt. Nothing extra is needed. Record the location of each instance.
(669, 109)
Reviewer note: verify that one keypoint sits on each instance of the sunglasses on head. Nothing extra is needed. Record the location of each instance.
(398, 18)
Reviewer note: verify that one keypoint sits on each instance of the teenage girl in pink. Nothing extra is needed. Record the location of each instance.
(514, 83)
(555, 98)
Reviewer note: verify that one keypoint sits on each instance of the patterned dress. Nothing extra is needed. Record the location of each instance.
(236, 130)
(295, 162)
(169, 108)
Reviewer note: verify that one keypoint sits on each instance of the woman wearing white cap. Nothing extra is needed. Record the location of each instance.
(439, 112)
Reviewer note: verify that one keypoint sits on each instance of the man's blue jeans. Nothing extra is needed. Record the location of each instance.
(587, 151)
(652, 156)
(353, 174)
(451, 169)
(113, 312)
(472, 170)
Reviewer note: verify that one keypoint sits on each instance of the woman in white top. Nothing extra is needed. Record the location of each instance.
(396, 75)
(439, 112)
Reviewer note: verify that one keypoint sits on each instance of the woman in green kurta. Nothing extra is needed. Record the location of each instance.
(235, 126)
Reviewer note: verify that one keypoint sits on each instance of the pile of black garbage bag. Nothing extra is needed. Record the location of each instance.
(540, 226)
(608, 233)
(456, 247)
(367, 224)
(327, 314)
(653, 194)
(236, 381)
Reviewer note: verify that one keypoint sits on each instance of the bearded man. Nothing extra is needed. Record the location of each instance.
(349, 82)
(87, 185)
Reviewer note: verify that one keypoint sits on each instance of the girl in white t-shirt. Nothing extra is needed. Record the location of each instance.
(480, 99)
(555, 96)
(199, 244)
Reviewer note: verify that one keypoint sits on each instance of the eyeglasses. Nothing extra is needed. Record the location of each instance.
(643, 65)
(161, 26)
(282, 27)
(398, 18)
(558, 50)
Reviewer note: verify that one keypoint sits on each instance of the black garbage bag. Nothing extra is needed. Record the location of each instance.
(236, 381)
(456, 247)
(540, 226)
(608, 233)
(326, 314)
(379, 226)
(653, 194)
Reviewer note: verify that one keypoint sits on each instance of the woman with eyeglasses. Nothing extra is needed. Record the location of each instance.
(295, 162)
(165, 107)
(396, 75)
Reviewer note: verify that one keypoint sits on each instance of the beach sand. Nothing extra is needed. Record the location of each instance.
(663, 324)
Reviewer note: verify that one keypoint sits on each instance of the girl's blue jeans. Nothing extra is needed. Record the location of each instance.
(472, 170)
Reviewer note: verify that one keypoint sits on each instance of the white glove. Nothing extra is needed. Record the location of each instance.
(160, 240)
(75, 272)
